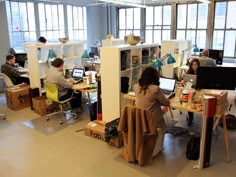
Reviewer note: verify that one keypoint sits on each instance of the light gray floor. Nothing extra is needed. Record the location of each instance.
(27, 152)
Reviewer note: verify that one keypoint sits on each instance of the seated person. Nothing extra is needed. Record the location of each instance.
(55, 75)
(150, 97)
(205, 60)
(15, 75)
(194, 64)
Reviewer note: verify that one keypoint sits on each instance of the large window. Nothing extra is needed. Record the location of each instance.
(192, 23)
(224, 35)
(21, 23)
(76, 17)
(158, 22)
(51, 20)
(129, 21)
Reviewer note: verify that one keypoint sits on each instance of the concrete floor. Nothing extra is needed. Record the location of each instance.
(27, 152)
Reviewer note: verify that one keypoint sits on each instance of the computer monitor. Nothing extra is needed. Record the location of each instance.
(216, 55)
(94, 50)
(216, 78)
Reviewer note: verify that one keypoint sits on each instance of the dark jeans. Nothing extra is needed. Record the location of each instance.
(20, 80)
(76, 100)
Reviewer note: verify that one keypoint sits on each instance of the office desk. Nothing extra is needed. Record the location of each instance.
(174, 103)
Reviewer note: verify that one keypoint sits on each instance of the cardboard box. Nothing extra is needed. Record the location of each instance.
(43, 106)
(221, 96)
(18, 97)
(95, 129)
(221, 108)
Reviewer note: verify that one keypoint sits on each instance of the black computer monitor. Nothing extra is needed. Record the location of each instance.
(216, 55)
(222, 78)
(94, 50)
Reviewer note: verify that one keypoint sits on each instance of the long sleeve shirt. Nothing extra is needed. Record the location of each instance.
(11, 72)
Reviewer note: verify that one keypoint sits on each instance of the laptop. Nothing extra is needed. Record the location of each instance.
(190, 78)
(167, 86)
(78, 74)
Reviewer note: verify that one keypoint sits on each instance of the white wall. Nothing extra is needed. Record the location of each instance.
(5, 43)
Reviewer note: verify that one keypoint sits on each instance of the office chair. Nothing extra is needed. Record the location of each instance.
(7, 84)
(52, 94)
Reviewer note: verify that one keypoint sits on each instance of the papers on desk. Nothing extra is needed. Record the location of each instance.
(131, 93)
(215, 92)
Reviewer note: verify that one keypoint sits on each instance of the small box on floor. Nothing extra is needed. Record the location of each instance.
(18, 97)
(43, 106)
(96, 129)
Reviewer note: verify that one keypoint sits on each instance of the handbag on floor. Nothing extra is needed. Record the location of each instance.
(193, 148)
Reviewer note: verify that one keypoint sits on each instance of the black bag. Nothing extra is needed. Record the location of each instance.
(93, 111)
(124, 84)
(193, 148)
(111, 129)
(230, 122)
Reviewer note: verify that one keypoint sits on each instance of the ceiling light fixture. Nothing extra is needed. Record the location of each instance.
(120, 2)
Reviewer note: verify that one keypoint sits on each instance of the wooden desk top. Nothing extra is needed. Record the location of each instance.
(83, 87)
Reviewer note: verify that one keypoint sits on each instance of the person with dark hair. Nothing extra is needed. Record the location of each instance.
(42, 39)
(55, 75)
(13, 73)
(149, 95)
(193, 66)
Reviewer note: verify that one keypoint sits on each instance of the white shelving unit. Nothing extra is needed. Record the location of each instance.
(37, 54)
(112, 42)
(114, 66)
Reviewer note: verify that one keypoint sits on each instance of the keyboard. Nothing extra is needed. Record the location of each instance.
(166, 92)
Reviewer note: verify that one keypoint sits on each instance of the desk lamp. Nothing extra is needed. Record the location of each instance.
(85, 55)
(195, 50)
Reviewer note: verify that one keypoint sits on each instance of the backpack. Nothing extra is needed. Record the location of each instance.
(230, 122)
(193, 148)
(93, 111)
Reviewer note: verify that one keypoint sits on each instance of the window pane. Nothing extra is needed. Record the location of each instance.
(220, 11)
(201, 39)
(157, 36)
(180, 35)
(85, 20)
(165, 34)
(129, 18)
(218, 39)
(55, 25)
(231, 22)
(202, 15)
(23, 17)
(158, 16)
(61, 18)
(121, 18)
(31, 19)
(69, 18)
(121, 34)
(42, 20)
(191, 35)
(181, 19)
(148, 36)
(75, 18)
(192, 16)
(149, 16)
(137, 18)
(15, 16)
(48, 17)
(229, 49)
(136, 32)
(166, 15)
(80, 17)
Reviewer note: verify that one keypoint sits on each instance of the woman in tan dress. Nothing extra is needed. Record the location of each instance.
(149, 95)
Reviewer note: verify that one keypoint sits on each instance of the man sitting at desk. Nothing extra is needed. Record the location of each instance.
(55, 75)
(9, 70)
(205, 60)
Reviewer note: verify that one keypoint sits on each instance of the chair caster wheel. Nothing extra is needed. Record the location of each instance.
(4, 118)
(61, 122)
(47, 119)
